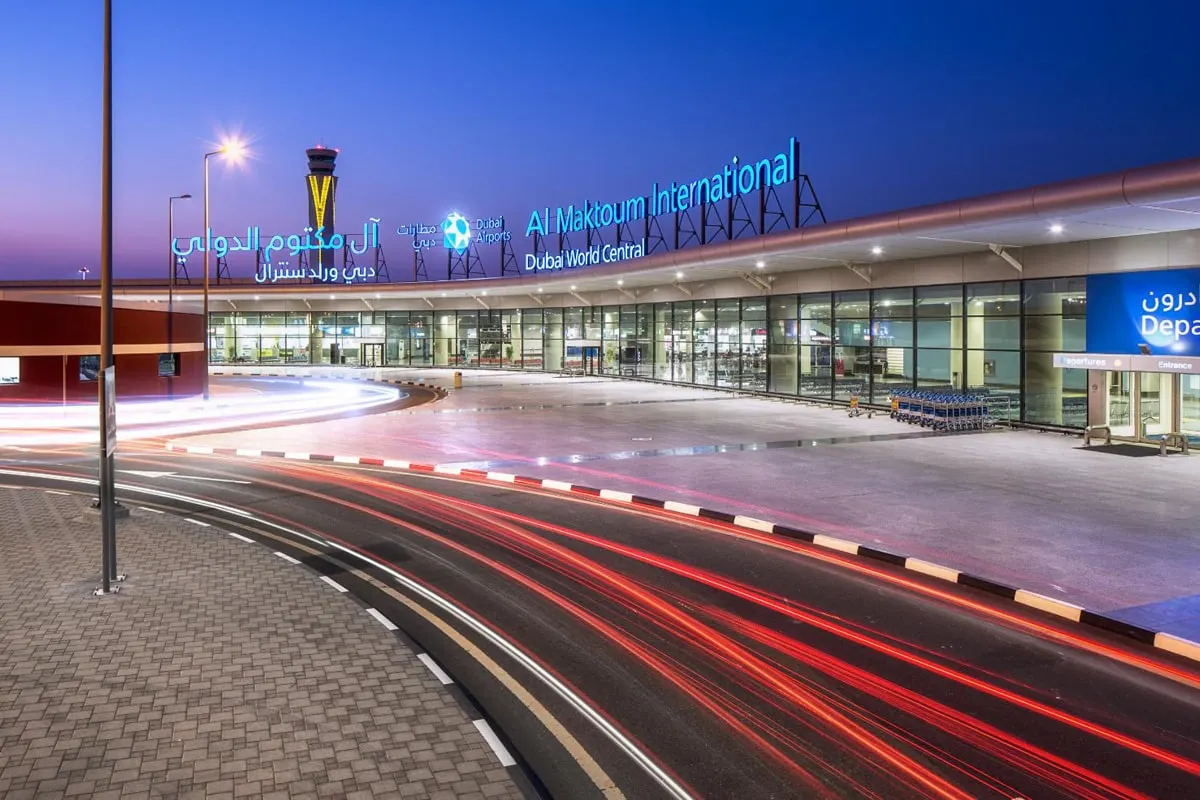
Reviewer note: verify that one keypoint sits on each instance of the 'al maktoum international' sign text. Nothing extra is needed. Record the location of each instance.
(734, 179)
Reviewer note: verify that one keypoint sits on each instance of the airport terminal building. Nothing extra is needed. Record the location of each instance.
(1068, 304)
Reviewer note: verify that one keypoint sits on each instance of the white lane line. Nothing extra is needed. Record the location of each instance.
(287, 558)
(197, 522)
(382, 620)
(151, 510)
(437, 671)
(55, 491)
(506, 759)
(334, 583)
(239, 536)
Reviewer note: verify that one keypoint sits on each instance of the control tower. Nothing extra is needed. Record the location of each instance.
(322, 196)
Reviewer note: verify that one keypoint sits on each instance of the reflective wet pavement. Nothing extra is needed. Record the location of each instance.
(1020, 507)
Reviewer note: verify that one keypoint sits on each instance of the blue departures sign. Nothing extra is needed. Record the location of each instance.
(1159, 309)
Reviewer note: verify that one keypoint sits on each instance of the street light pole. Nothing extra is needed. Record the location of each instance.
(207, 247)
(233, 150)
(106, 384)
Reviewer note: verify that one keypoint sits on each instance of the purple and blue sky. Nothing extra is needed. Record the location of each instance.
(496, 108)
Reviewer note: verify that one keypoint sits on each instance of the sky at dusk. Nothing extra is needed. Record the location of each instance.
(497, 108)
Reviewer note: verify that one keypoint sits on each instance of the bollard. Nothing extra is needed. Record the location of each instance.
(457, 380)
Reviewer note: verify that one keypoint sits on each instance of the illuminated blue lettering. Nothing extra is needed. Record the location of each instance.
(536, 225)
(731, 180)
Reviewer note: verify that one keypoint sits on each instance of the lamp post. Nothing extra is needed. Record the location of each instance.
(232, 150)
(107, 383)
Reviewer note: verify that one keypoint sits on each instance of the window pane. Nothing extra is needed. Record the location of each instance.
(996, 373)
(939, 302)
(939, 332)
(994, 333)
(892, 368)
(816, 306)
(938, 369)
(1055, 334)
(892, 333)
(785, 307)
(994, 299)
(1054, 396)
(852, 305)
(1056, 296)
(892, 303)
(816, 369)
(784, 376)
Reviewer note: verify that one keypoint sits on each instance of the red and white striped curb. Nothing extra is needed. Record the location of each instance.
(1059, 608)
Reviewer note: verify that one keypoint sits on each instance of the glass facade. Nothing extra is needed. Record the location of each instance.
(993, 338)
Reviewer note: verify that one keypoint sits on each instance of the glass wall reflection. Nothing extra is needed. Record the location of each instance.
(993, 338)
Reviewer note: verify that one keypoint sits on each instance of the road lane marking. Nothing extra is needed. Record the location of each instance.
(55, 491)
(197, 522)
(287, 558)
(506, 759)
(382, 620)
(433, 667)
(151, 510)
(239, 536)
(334, 583)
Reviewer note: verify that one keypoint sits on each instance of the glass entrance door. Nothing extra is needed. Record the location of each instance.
(1189, 406)
(1121, 404)
(1157, 407)
(372, 355)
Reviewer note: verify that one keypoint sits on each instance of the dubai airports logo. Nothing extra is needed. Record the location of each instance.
(456, 232)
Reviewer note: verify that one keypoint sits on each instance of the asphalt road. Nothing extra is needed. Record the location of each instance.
(716, 663)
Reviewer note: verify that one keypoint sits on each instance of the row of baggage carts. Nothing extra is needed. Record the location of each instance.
(942, 411)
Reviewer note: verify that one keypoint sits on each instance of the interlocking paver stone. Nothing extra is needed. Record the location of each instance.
(218, 670)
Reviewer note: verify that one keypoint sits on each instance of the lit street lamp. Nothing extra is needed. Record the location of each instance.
(234, 151)
(83, 271)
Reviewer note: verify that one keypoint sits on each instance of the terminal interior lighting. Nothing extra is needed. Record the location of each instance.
(678, 276)
(760, 264)
(1056, 228)
(877, 250)
(620, 281)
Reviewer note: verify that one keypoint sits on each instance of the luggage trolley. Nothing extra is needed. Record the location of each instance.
(855, 409)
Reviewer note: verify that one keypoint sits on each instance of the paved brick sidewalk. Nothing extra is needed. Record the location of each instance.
(218, 671)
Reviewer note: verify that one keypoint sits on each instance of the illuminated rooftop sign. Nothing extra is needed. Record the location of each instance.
(732, 180)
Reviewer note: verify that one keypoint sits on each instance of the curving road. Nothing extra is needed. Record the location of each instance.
(665, 656)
